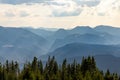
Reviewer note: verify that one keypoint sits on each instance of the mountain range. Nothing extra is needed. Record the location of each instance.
(102, 42)
(18, 43)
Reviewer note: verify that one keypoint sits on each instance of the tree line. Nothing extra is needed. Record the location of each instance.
(35, 70)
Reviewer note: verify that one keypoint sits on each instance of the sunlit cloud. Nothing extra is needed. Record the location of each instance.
(59, 13)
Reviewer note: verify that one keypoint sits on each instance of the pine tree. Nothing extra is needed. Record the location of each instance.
(64, 70)
(34, 64)
(108, 76)
(34, 70)
(40, 66)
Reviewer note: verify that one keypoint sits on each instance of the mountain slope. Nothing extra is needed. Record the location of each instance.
(105, 55)
(82, 30)
(41, 32)
(108, 29)
(83, 38)
(110, 62)
(80, 49)
(17, 43)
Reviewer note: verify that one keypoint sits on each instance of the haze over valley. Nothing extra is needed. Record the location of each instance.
(22, 44)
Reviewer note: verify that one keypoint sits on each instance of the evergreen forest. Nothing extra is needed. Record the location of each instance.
(51, 70)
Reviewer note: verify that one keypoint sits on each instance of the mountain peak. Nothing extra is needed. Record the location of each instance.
(103, 26)
(82, 29)
(78, 27)
(60, 30)
(1, 27)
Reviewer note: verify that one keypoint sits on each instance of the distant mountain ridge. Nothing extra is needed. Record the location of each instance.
(108, 29)
(22, 44)
(107, 56)
(82, 34)
(17, 43)
(81, 49)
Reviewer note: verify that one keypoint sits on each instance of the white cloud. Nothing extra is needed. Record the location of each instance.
(61, 13)
(105, 8)
(109, 7)
(24, 10)
(65, 8)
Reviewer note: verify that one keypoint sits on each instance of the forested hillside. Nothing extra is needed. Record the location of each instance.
(36, 70)
(22, 44)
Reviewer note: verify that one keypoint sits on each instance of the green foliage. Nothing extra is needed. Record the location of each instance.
(35, 70)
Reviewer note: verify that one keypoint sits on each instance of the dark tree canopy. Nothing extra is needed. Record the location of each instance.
(35, 70)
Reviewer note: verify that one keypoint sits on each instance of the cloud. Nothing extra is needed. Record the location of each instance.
(109, 7)
(89, 3)
(80, 2)
(53, 13)
(23, 14)
(9, 14)
(22, 1)
(25, 10)
(65, 8)
(62, 8)
(65, 13)
(54, 8)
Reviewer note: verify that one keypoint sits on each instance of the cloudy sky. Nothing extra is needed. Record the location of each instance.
(59, 13)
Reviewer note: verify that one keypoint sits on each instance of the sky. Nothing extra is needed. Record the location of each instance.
(59, 13)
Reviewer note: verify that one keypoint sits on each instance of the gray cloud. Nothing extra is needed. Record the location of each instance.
(101, 14)
(9, 14)
(65, 13)
(80, 2)
(22, 1)
(89, 3)
(23, 14)
(61, 8)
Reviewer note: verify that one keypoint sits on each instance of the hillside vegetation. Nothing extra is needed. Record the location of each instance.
(35, 70)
